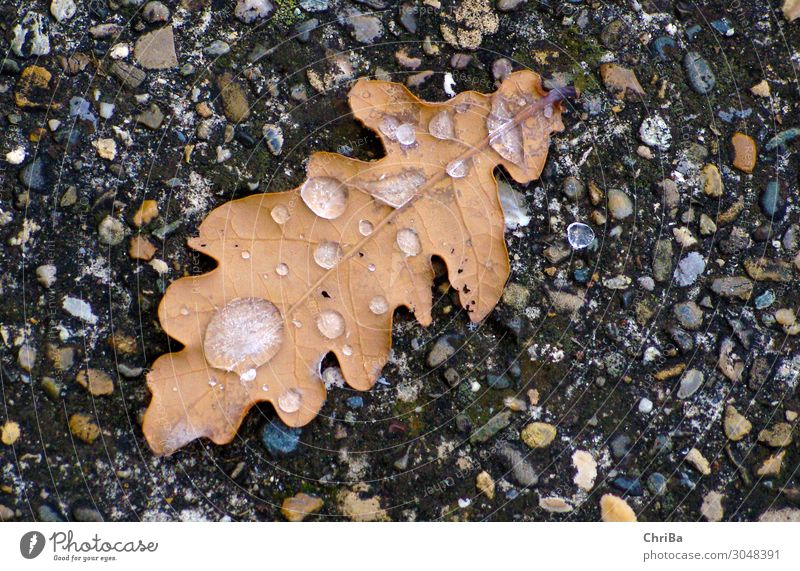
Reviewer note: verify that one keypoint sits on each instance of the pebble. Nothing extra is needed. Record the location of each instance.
(621, 80)
(689, 315)
(555, 504)
(491, 427)
(130, 76)
(771, 201)
(736, 286)
(765, 300)
(16, 156)
(6, 513)
(46, 275)
(735, 425)
(690, 383)
(106, 148)
(662, 260)
(95, 381)
(707, 225)
(744, 152)
(712, 181)
(26, 357)
(63, 10)
(768, 269)
(585, 470)
(645, 406)
(712, 509)
(779, 436)
(279, 439)
(538, 434)
(698, 71)
(249, 11)
(87, 514)
(772, 465)
(33, 176)
(654, 132)
(619, 204)
(579, 235)
(234, 98)
(9, 433)
(300, 506)
(520, 467)
(48, 514)
(689, 269)
(79, 308)
(111, 231)
(620, 446)
(83, 427)
(665, 48)
(273, 136)
(313, 5)
(441, 350)
(366, 28)
(217, 48)
(628, 485)
(152, 117)
(155, 12)
(146, 213)
(615, 509)
(573, 188)
(696, 459)
(485, 484)
(761, 89)
(657, 483)
(156, 49)
(782, 139)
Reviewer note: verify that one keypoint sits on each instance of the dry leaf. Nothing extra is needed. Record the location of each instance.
(321, 268)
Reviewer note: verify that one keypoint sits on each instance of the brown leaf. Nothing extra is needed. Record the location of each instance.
(620, 80)
(321, 268)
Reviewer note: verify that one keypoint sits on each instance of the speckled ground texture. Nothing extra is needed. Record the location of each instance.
(634, 367)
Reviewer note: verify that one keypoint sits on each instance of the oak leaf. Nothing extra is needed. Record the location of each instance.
(321, 268)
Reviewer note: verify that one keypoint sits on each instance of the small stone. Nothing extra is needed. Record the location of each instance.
(707, 225)
(16, 156)
(129, 75)
(52, 387)
(26, 357)
(744, 152)
(772, 465)
(619, 204)
(300, 506)
(791, 10)
(441, 351)
(366, 28)
(712, 508)
(621, 80)
(655, 132)
(491, 427)
(86, 514)
(689, 315)
(516, 296)
(9, 433)
(106, 148)
(698, 71)
(778, 436)
(768, 269)
(485, 484)
(111, 231)
(33, 88)
(645, 406)
(234, 98)
(573, 188)
(712, 181)
(156, 49)
(155, 12)
(46, 275)
(662, 260)
(657, 483)
(696, 459)
(141, 248)
(538, 434)
(615, 509)
(248, 11)
(736, 286)
(521, 469)
(555, 504)
(273, 136)
(151, 118)
(586, 469)
(95, 381)
(83, 428)
(217, 48)
(79, 308)
(6, 513)
(690, 383)
(146, 213)
(735, 425)
(279, 439)
(63, 10)
(771, 201)
(761, 89)
(689, 269)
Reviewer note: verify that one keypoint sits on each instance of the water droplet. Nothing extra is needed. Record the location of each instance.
(297, 323)
(388, 126)
(282, 269)
(245, 255)
(395, 189)
(212, 382)
(325, 196)
(243, 334)
(280, 214)
(441, 126)
(365, 227)
(264, 388)
(328, 254)
(458, 168)
(290, 400)
(408, 242)
(505, 137)
(548, 111)
(579, 235)
(330, 323)
(406, 135)
(248, 375)
(371, 267)
(347, 350)
(378, 305)
(184, 310)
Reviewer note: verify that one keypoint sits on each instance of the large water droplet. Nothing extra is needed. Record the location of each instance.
(388, 127)
(325, 196)
(504, 136)
(328, 254)
(347, 350)
(378, 305)
(330, 323)
(280, 214)
(408, 242)
(458, 168)
(245, 254)
(243, 334)
(290, 400)
(395, 189)
(365, 227)
(282, 269)
(406, 135)
(441, 126)
(579, 235)
(248, 375)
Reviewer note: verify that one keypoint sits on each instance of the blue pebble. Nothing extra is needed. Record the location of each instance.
(355, 402)
(279, 439)
(771, 199)
(764, 300)
(582, 275)
(723, 26)
(657, 483)
(692, 31)
(631, 486)
(782, 139)
(664, 47)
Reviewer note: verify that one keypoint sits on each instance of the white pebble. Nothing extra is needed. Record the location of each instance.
(645, 406)
(16, 156)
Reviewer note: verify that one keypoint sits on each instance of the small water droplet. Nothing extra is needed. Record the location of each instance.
(248, 375)
(458, 168)
(347, 350)
(325, 196)
(297, 323)
(184, 310)
(579, 235)
(282, 269)
(264, 388)
(408, 241)
(290, 400)
(371, 267)
(243, 334)
(330, 323)
(365, 227)
(406, 135)
(280, 214)
(212, 382)
(378, 305)
(245, 255)
(441, 126)
(328, 254)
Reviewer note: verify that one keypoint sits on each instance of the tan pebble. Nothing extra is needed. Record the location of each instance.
(736, 426)
(146, 213)
(141, 248)
(204, 109)
(772, 465)
(785, 317)
(778, 436)
(791, 415)
(712, 181)
(10, 432)
(299, 506)
(61, 357)
(586, 469)
(106, 148)
(485, 484)
(744, 152)
(670, 373)
(613, 509)
(696, 459)
(538, 434)
(358, 508)
(6, 513)
(621, 80)
(760, 89)
(712, 508)
(533, 397)
(554, 504)
(791, 9)
(82, 427)
(95, 381)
